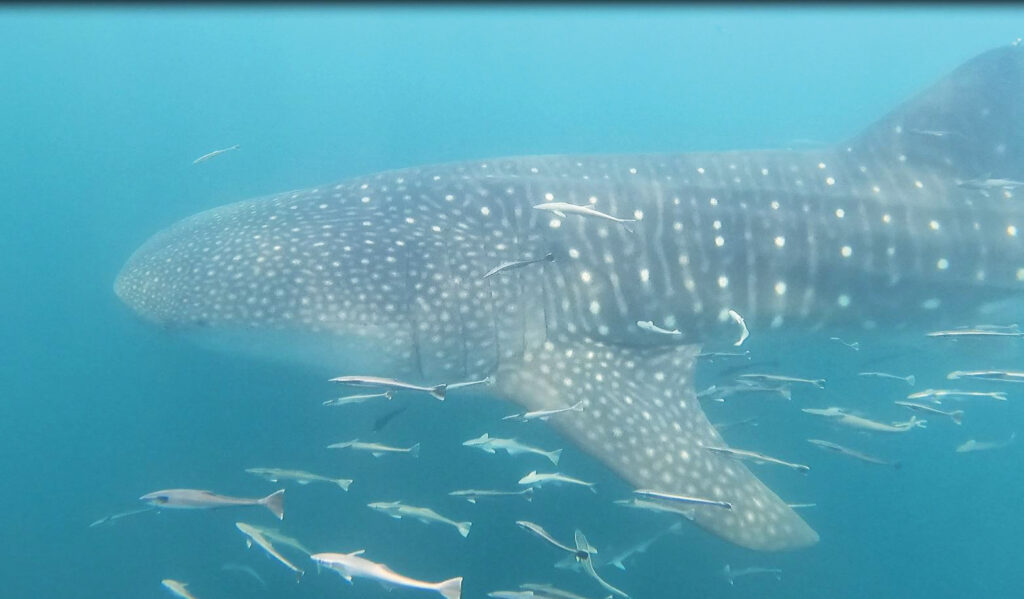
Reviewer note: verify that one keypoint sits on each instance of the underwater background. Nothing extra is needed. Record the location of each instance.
(102, 112)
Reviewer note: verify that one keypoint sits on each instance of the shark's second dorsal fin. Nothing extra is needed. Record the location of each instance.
(642, 419)
(968, 125)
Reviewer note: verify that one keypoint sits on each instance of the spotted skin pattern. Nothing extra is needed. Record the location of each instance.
(873, 233)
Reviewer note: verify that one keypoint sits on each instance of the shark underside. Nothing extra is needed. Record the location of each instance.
(905, 224)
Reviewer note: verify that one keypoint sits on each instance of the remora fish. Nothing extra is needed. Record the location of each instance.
(435, 391)
(683, 499)
(538, 479)
(654, 506)
(375, 449)
(909, 379)
(300, 476)
(757, 458)
(179, 589)
(352, 399)
(936, 395)
(851, 420)
(279, 537)
(955, 415)
(972, 445)
(255, 535)
(583, 554)
(776, 378)
(114, 517)
(214, 154)
(563, 208)
(511, 446)
(1002, 376)
(398, 510)
(731, 575)
(472, 495)
(853, 453)
(351, 565)
(504, 266)
(544, 414)
(806, 240)
(538, 530)
(197, 499)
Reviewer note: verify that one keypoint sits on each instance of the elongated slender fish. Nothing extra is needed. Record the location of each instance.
(937, 395)
(683, 499)
(731, 574)
(1002, 376)
(198, 499)
(744, 333)
(254, 535)
(539, 531)
(853, 453)
(381, 421)
(656, 506)
(746, 387)
(539, 479)
(842, 417)
(472, 495)
(506, 266)
(777, 378)
(512, 594)
(545, 414)
(972, 445)
(583, 554)
(487, 381)
(300, 476)
(548, 591)
(435, 391)
(563, 208)
(280, 538)
(648, 325)
(115, 517)
(909, 379)
(214, 154)
(618, 560)
(853, 345)
(376, 449)
(954, 415)
(757, 458)
(359, 398)
(870, 231)
(986, 184)
(247, 570)
(177, 588)
(398, 510)
(974, 333)
(511, 446)
(351, 565)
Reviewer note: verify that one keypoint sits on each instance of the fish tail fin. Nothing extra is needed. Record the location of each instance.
(528, 494)
(577, 407)
(786, 392)
(592, 487)
(918, 423)
(439, 391)
(911, 380)
(275, 503)
(554, 456)
(344, 483)
(957, 416)
(415, 450)
(451, 588)
(464, 528)
(1000, 395)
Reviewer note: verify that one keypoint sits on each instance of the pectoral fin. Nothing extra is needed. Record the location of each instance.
(642, 419)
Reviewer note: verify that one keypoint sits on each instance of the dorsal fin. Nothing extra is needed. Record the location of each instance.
(968, 125)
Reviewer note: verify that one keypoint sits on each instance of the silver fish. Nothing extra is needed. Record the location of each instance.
(511, 446)
(351, 565)
(563, 208)
(538, 479)
(853, 453)
(683, 499)
(731, 575)
(435, 391)
(909, 379)
(757, 458)
(376, 449)
(254, 535)
(198, 499)
(648, 325)
(545, 414)
(177, 588)
(972, 445)
(353, 399)
(777, 378)
(472, 495)
(214, 154)
(397, 509)
(1003, 376)
(300, 476)
(506, 266)
(954, 415)
(937, 395)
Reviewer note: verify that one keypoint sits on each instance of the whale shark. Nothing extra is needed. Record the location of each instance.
(537, 270)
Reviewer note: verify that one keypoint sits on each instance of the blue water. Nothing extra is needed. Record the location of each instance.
(101, 114)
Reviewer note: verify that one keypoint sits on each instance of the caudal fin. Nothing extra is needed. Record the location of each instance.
(911, 380)
(528, 494)
(415, 450)
(439, 391)
(554, 456)
(464, 528)
(957, 416)
(275, 503)
(451, 588)
(343, 483)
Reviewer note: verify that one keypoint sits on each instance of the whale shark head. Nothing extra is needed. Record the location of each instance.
(445, 273)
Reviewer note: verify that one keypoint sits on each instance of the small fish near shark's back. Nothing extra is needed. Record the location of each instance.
(352, 565)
